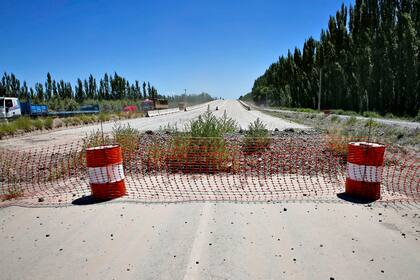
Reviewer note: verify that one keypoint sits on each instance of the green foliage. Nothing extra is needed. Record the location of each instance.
(335, 119)
(208, 125)
(38, 123)
(371, 123)
(66, 104)
(367, 59)
(306, 110)
(417, 118)
(126, 136)
(23, 123)
(371, 115)
(351, 121)
(7, 129)
(104, 117)
(256, 137)
(86, 119)
(48, 123)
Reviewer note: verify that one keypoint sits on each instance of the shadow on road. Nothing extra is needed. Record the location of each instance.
(353, 199)
(87, 200)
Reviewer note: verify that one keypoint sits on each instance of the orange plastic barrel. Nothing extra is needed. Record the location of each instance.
(106, 172)
(364, 170)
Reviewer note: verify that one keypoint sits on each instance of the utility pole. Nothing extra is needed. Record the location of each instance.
(320, 89)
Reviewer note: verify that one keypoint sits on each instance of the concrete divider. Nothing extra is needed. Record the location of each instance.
(154, 113)
(245, 105)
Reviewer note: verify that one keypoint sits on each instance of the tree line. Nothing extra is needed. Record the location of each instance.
(368, 59)
(110, 87)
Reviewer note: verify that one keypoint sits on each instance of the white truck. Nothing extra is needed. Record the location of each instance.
(9, 107)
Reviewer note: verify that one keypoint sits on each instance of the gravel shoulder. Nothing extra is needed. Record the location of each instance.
(401, 123)
(306, 240)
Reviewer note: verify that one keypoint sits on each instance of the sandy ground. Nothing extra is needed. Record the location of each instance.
(300, 240)
(232, 107)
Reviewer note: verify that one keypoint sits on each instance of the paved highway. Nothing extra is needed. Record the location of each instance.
(233, 108)
(306, 240)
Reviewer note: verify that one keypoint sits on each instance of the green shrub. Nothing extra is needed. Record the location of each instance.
(85, 119)
(208, 125)
(75, 121)
(351, 121)
(38, 124)
(126, 136)
(338, 112)
(306, 110)
(417, 118)
(48, 123)
(335, 119)
(256, 137)
(8, 128)
(104, 117)
(23, 123)
(369, 114)
(389, 116)
(371, 123)
(95, 139)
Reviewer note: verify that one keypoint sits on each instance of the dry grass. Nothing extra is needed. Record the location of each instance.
(12, 193)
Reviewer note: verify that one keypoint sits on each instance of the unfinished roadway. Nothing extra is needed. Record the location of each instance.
(67, 135)
(318, 238)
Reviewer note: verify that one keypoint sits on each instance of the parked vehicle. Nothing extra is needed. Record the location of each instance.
(10, 107)
(161, 104)
(34, 109)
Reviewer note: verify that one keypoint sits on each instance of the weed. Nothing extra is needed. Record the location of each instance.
(85, 119)
(126, 136)
(208, 125)
(351, 121)
(335, 119)
(23, 123)
(12, 193)
(8, 129)
(371, 123)
(256, 137)
(38, 124)
(169, 128)
(369, 114)
(48, 123)
(104, 117)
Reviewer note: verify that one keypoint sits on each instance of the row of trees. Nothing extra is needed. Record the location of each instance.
(110, 87)
(368, 59)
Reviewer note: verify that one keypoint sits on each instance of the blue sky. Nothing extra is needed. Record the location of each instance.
(219, 47)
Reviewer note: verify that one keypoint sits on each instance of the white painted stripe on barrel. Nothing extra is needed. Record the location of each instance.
(106, 174)
(365, 173)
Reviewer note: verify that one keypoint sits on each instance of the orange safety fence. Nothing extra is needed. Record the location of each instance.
(167, 168)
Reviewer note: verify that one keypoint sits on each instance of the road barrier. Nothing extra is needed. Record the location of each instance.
(166, 168)
(246, 106)
(154, 113)
(106, 171)
(364, 169)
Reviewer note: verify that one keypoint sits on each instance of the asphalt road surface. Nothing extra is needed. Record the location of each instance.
(232, 107)
(300, 240)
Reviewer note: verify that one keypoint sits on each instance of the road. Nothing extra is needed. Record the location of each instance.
(180, 119)
(407, 124)
(306, 240)
(324, 238)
